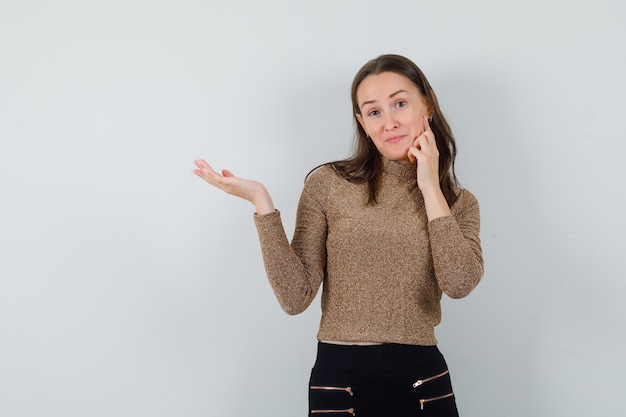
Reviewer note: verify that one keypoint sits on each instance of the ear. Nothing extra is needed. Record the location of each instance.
(430, 110)
(359, 118)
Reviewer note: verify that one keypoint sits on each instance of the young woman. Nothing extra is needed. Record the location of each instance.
(385, 233)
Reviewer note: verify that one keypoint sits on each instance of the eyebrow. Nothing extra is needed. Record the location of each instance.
(374, 101)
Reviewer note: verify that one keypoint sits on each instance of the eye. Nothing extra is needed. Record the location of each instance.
(401, 103)
(372, 113)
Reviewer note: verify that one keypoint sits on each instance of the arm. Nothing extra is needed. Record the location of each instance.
(454, 239)
(424, 151)
(456, 250)
(296, 271)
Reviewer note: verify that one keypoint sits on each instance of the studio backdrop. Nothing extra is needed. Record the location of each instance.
(129, 287)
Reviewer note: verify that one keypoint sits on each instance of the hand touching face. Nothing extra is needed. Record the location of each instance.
(424, 151)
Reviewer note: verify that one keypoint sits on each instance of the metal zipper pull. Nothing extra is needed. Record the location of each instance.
(427, 400)
(349, 411)
(346, 389)
(423, 381)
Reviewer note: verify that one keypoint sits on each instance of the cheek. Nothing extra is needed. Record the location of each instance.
(371, 127)
(416, 122)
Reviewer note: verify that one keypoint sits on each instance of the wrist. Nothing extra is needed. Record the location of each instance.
(263, 202)
(435, 202)
(431, 191)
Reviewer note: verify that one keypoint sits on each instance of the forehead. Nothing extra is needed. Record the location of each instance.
(381, 86)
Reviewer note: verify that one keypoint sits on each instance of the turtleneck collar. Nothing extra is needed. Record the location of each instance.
(399, 169)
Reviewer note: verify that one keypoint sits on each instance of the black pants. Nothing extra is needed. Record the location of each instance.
(389, 380)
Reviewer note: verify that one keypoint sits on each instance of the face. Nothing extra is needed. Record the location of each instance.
(392, 113)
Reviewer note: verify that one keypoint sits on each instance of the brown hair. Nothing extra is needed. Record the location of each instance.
(365, 165)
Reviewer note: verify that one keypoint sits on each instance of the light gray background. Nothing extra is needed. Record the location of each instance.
(128, 287)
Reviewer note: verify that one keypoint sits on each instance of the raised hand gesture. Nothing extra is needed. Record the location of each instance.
(425, 152)
(253, 191)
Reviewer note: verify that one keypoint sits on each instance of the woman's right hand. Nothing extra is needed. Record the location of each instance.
(253, 191)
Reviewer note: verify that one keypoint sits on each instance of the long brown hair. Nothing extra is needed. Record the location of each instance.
(365, 165)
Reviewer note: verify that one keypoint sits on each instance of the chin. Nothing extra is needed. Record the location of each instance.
(396, 156)
(400, 157)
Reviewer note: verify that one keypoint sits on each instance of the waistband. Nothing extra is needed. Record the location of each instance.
(387, 356)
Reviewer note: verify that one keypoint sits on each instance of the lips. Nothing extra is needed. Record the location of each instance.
(395, 139)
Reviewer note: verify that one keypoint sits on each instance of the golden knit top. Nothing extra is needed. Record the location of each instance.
(383, 267)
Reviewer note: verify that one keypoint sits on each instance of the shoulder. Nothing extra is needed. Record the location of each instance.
(324, 184)
(465, 200)
(318, 186)
(322, 175)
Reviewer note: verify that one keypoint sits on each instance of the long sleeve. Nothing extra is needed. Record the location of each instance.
(456, 250)
(382, 268)
(296, 271)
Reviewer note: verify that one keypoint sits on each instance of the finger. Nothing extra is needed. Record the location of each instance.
(413, 154)
(426, 142)
(427, 125)
(227, 173)
(419, 142)
(200, 163)
(204, 167)
(422, 142)
(205, 171)
(207, 176)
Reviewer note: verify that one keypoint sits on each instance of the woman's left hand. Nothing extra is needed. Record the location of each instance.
(425, 152)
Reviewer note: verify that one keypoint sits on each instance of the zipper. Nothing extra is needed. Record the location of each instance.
(423, 381)
(346, 389)
(427, 400)
(347, 411)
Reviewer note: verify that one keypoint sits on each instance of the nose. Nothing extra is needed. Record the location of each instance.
(390, 121)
